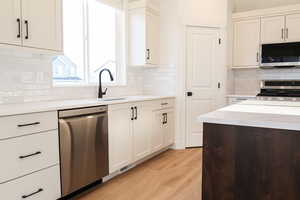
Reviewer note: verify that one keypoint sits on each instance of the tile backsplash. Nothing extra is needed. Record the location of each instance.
(247, 81)
(28, 78)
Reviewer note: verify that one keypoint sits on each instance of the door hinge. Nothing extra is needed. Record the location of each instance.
(220, 40)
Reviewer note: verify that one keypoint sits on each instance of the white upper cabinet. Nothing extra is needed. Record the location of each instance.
(246, 43)
(293, 28)
(272, 29)
(10, 20)
(32, 23)
(42, 24)
(144, 31)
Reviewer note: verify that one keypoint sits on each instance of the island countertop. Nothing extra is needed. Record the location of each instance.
(256, 113)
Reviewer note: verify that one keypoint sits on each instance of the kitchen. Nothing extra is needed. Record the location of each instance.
(106, 99)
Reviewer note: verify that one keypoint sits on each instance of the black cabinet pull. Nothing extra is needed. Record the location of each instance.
(148, 54)
(30, 124)
(132, 113)
(30, 155)
(34, 193)
(19, 28)
(136, 114)
(164, 118)
(27, 31)
(189, 94)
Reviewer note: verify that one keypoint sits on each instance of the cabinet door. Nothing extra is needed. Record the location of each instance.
(10, 17)
(292, 28)
(120, 137)
(168, 128)
(272, 29)
(42, 24)
(157, 139)
(246, 43)
(142, 129)
(152, 37)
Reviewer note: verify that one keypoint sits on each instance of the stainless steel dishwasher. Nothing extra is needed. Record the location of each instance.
(83, 147)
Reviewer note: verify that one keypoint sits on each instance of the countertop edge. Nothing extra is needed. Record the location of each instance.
(48, 106)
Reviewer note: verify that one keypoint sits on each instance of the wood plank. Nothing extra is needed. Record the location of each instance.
(175, 174)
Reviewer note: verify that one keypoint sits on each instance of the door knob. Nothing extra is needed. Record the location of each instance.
(189, 94)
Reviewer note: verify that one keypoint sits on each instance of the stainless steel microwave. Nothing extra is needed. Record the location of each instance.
(280, 55)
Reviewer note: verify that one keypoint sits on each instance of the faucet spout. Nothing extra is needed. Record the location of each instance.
(100, 92)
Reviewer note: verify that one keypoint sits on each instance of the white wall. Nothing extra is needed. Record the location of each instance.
(246, 5)
(210, 13)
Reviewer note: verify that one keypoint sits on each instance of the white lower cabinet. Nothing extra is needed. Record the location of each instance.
(138, 130)
(163, 134)
(169, 127)
(120, 136)
(42, 185)
(24, 155)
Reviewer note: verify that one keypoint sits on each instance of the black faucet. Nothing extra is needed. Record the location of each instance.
(100, 92)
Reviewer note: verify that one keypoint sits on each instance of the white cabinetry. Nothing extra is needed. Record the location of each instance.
(292, 28)
(120, 136)
(137, 130)
(10, 20)
(32, 23)
(30, 153)
(143, 21)
(142, 130)
(272, 29)
(246, 43)
(130, 130)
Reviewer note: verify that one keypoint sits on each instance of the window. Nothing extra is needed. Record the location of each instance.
(93, 40)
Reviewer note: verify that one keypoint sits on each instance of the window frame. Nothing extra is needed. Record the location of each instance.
(121, 45)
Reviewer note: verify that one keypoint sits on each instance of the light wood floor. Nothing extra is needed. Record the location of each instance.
(173, 175)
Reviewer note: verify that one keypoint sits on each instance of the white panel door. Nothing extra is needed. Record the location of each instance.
(157, 138)
(246, 43)
(152, 37)
(272, 29)
(292, 28)
(142, 130)
(10, 20)
(202, 55)
(120, 137)
(42, 24)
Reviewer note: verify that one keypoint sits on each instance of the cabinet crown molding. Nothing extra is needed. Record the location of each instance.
(275, 11)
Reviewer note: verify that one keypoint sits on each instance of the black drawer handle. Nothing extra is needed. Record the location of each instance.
(19, 28)
(34, 193)
(136, 113)
(27, 29)
(164, 104)
(31, 124)
(132, 113)
(30, 155)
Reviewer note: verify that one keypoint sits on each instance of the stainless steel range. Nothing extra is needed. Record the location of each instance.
(280, 90)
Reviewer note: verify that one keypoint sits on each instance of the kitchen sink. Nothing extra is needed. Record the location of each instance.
(113, 99)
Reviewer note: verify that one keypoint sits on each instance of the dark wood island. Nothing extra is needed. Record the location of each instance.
(250, 163)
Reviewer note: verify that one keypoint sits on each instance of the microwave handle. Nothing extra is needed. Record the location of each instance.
(257, 57)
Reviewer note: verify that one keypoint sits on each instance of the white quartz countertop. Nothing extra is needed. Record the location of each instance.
(240, 96)
(255, 113)
(43, 106)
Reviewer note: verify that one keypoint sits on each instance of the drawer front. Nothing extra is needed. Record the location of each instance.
(42, 185)
(27, 154)
(19, 125)
(167, 103)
